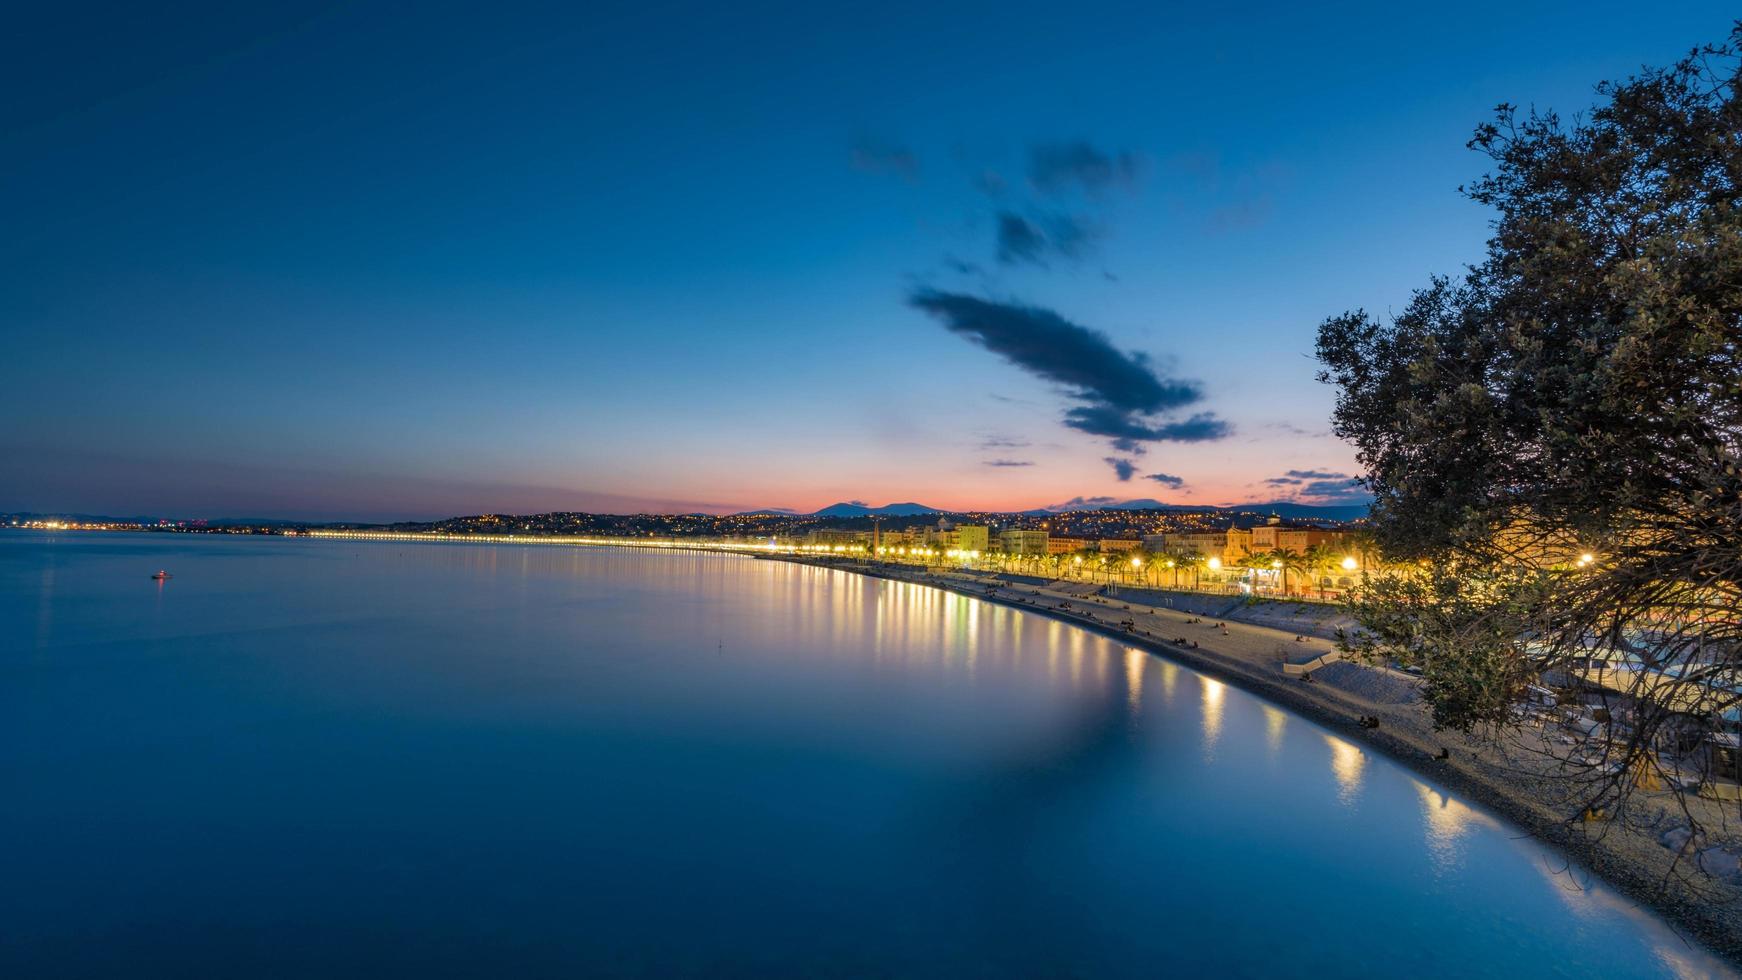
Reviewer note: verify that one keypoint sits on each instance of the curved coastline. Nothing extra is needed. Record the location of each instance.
(1716, 927)
(1640, 875)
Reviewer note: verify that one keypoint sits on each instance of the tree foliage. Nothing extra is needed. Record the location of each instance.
(1578, 391)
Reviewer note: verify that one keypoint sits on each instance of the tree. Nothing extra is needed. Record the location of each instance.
(1195, 562)
(1556, 435)
(1141, 564)
(1287, 560)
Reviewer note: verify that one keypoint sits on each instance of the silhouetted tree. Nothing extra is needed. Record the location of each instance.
(1555, 436)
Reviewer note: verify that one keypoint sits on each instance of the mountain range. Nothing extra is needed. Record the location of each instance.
(1281, 508)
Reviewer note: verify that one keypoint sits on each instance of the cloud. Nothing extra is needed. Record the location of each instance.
(1167, 479)
(1003, 442)
(1122, 468)
(1121, 393)
(879, 158)
(1294, 430)
(1321, 487)
(1019, 240)
(1054, 168)
(1076, 503)
(1009, 462)
(1336, 491)
(1047, 345)
(1034, 241)
(1125, 428)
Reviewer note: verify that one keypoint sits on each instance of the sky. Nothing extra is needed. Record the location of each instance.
(380, 262)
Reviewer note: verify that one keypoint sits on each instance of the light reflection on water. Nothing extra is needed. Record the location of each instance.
(1275, 725)
(1347, 763)
(340, 758)
(1448, 820)
(1212, 714)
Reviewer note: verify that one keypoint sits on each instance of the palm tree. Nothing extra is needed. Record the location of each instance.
(1365, 549)
(1195, 562)
(1140, 561)
(1320, 558)
(1288, 560)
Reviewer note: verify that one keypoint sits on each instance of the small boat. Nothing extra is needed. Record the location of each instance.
(160, 576)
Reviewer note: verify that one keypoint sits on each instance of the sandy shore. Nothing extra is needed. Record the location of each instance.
(1251, 656)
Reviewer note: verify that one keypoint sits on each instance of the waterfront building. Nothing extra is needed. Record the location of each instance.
(1064, 546)
(1276, 534)
(830, 538)
(973, 537)
(1118, 544)
(1016, 542)
(1230, 546)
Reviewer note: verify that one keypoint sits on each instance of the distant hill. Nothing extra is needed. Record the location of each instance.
(888, 510)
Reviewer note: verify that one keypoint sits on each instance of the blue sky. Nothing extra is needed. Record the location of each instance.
(377, 262)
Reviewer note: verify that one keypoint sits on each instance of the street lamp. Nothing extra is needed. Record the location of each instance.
(1349, 563)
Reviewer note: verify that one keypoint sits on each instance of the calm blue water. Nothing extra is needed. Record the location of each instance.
(319, 758)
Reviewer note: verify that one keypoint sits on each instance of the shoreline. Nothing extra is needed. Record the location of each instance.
(1717, 927)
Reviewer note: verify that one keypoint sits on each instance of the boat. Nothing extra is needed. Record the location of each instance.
(160, 575)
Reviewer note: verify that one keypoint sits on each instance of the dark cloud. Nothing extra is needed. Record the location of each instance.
(1336, 491)
(1202, 427)
(1124, 469)
(1035, 241)
(1121, 393)
(1009, 462)
(1167, 479)
(1003, 442)
(1054, 168)
(1047, 345)
(961, 266)
(1322, 487)
(879, 158)
(1126, 428)
(1019, 240)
